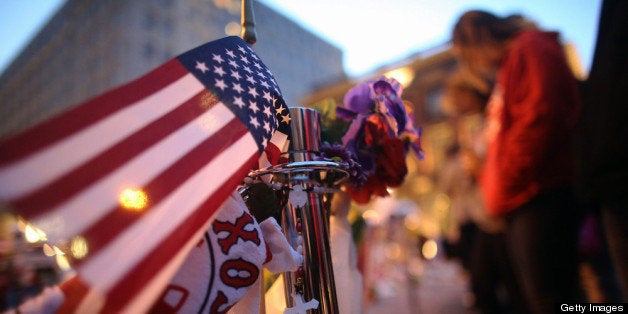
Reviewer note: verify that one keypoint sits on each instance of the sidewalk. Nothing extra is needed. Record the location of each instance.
(441, 289)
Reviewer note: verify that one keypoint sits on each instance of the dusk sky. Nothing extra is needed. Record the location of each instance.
(370, 32)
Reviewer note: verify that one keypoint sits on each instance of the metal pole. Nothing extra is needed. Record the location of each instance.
(310, 221)
(248, 22)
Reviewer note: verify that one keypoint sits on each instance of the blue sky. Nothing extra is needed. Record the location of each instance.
(20, 20)
(370, 32)
(373, 32)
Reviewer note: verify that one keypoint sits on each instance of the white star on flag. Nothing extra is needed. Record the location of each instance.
(219, 71)
(238, 88)
(217, 58)
(201, 66)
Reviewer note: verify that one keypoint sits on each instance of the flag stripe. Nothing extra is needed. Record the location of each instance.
(154, 261)
(98, 199)
(74, 181)
(160, 222)
(111, 225)
(162, 230)
(74, 290)
(148, 248)
(89, 113)
(79, 147)
(146, 297)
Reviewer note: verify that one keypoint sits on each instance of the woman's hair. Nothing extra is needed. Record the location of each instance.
(465, 94)
(481, 27)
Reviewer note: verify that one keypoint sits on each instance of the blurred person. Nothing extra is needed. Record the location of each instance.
(453, 181)
(527, 174)
(602, 148)
(488, 262)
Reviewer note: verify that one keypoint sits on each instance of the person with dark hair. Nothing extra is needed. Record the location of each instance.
(527, 174)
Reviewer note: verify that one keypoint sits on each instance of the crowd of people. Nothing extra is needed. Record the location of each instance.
(538, 187)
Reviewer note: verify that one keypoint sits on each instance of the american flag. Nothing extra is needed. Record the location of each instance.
(138, 173)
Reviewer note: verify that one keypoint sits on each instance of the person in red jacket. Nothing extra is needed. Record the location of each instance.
(527, 176)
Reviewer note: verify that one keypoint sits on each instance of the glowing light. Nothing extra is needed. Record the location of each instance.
(371, 216)
(232, 29)
(413, 222)
(394, 251)
(57, 250)
(48, 250)
(231, 6)
(21, 225)
(33, 234)
(442, 202)
(52, 250)
(79, 247)
(429, 249)
(133, 199)
(404, 75)
(430, 226)
(63, 263)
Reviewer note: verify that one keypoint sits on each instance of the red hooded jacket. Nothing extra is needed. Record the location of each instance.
(531, 118)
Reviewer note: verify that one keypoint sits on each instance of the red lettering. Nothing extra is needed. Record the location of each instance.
(243, 273)
(235, 231)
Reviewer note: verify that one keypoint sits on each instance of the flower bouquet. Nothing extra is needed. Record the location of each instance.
(371, 136)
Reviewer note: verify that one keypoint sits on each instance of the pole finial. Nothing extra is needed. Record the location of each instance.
(248, 22)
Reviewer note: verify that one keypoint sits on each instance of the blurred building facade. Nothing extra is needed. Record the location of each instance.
(90, 46)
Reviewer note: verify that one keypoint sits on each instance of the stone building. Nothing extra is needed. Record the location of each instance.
(90, 46)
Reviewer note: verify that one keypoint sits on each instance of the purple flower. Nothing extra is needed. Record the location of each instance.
(390, 103)
(337, 153)
(359, 99)
(379, 136)
(383, 96)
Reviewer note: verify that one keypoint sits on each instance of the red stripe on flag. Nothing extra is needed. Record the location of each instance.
(111, 225)
(74, 291)
(81, 117)
(152, 263)
(47, 197)
(273, 153)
